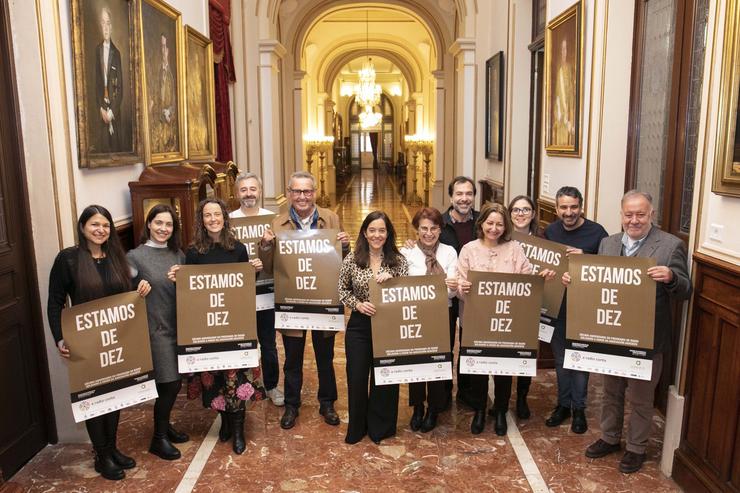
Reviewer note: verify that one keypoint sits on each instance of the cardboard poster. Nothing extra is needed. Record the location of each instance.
(249, 230)
(110, 364)
(216, 317)
(546, 254)
(611, 316)
(411, 331)
(306, 269)
(502, 316)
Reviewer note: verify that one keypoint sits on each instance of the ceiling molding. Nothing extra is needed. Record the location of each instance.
(330, 69)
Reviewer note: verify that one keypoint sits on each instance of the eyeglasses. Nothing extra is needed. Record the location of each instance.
(523, 211)
(425, 230)
(298, 193)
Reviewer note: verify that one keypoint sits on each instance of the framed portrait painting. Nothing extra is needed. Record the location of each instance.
(164, 82)
(107, 82)
(563, 83)
(726, 180)
(200, 101)
(495, 107)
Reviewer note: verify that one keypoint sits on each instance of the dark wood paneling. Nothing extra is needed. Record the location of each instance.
(546, 212)
(490, 191)
(126, 235)
(707, 458)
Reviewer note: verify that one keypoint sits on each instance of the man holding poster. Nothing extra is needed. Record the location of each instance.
(641, 239)
(249, 222)
(302, 217)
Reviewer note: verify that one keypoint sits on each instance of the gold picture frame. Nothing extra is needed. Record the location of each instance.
(726, 180)
(163, 88)
(105, 47)
(564, 82)
(200, 100)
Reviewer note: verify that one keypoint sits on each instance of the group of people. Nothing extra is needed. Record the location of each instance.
(452, 243)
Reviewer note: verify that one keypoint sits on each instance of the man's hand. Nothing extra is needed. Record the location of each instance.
(565, 279)
(267, 237)
(573, 250)
(660, 273)
(344, 238)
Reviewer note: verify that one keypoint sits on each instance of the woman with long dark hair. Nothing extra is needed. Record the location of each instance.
(226, 391)
(94, 268)
(151, 260)
(375, 257)
(429, 256)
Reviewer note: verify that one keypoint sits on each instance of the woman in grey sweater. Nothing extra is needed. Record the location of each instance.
(159, 250)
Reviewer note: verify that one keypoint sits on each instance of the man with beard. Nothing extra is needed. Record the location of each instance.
(248, 188)
(580, 235)
(304, 215)
(459, 229)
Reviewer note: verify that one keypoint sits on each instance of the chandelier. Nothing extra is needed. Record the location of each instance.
(369, 118)
(367, 92)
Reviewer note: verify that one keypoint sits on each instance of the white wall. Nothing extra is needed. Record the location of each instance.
(58, 189)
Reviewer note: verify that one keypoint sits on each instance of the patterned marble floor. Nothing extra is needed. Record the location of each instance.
(313, 456)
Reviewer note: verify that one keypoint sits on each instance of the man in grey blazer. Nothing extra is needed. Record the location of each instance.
(641, 239)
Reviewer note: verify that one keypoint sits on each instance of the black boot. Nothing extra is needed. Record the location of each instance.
(479, 422)
(224, 433)
(522, 409)
(176, 436)
(417, 418)
(559, 414)
(430, 421)
(500, 425)
(161, 445)
(237, 428)
(579, 424)
(111, 424)
(106, 466)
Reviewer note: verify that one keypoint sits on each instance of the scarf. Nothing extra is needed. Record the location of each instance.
(430, 258)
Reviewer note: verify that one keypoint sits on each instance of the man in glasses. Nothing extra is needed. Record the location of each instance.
(304, 215)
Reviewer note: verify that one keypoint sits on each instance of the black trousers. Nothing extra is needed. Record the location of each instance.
(522, 384)
(268, 348)
(374, 413)
(434, 393)
(167, 392)
(103, 431)
(479, 392)
(323, 349)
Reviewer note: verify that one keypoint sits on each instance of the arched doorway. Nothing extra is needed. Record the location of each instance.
(371, 147)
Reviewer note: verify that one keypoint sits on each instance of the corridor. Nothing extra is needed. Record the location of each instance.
(313, 456)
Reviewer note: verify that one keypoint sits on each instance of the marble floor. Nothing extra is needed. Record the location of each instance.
(313, 456)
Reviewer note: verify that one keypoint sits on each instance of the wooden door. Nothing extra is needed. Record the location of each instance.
(24, 424)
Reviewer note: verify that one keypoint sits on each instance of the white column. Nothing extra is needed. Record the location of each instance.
(321, 112)
(299, 154)
(464, 52)
(438, 173)
(271, 51)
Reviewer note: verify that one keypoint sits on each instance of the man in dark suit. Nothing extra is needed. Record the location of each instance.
(641, 239)
(108, 87)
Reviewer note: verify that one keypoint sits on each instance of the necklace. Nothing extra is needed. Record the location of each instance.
(99, 260)
(376, 255)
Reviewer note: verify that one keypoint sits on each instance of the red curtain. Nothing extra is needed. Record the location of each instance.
(219, 17)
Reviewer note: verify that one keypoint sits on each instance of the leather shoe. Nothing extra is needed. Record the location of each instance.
(288, 420)
(224, 433)
(522, 408)
(430, 421)
(631, 462)
(500, 426)
(600, 449)
(162, 447)
(176, 436)
(417, 418)
(559, 414)
(107, 468)
(330, 415)
(579, 424)
(124, 461)
(478, 423)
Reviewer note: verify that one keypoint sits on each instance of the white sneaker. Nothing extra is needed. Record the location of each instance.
(276, 396)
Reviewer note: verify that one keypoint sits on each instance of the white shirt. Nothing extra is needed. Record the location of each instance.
(106, 55)
(446, 257)
(239, 213)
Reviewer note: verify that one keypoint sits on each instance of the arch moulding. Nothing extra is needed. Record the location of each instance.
(413, 77)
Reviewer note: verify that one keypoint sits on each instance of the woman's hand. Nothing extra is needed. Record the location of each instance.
(565, 279)
(256, 263)
(381, 277)
(409, 244)
(172, 273)
(343, 238)
(547, 274)
(366, 308)
(464, 286)
(451, 283)
(144, 288)
(63, 349)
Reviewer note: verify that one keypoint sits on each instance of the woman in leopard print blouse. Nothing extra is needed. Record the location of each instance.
(375, 256)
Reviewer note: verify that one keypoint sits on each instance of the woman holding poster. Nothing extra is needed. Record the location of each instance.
(429, 256)
(151, 260)
(225, 391)
(95, 268)
(375, 257)
(493, 251)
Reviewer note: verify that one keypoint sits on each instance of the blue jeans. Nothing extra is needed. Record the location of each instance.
(268, 348)
(572, 384)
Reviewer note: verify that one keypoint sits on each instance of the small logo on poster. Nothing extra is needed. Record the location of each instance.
(84, 406)
(575, 356)
(284, 317)
(470, 362)
(190, 360)
(385, 372)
